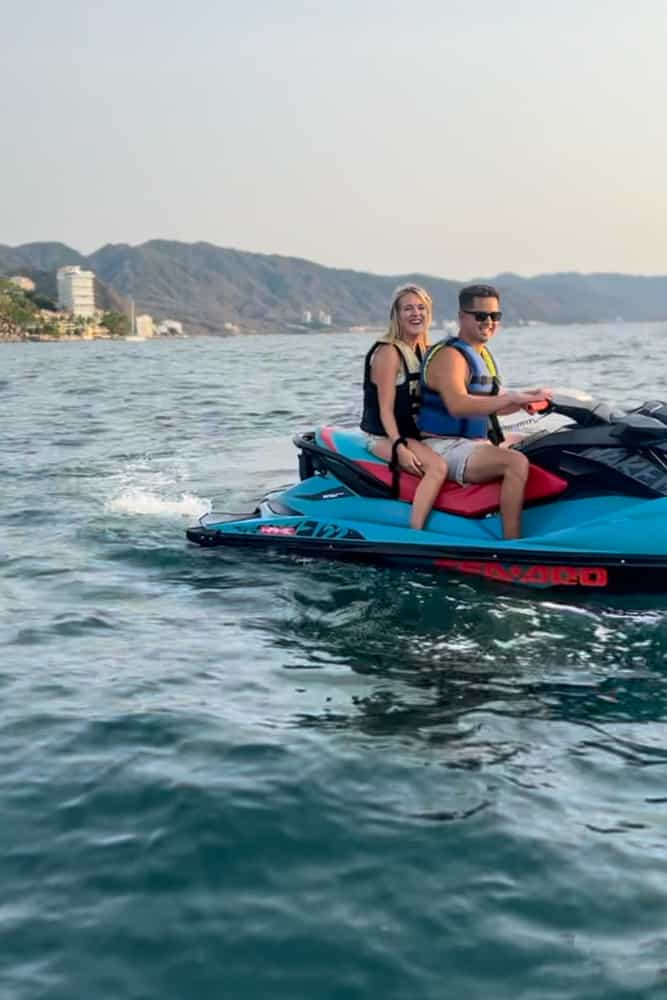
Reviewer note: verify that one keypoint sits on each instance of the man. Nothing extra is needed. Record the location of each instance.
(461, 400)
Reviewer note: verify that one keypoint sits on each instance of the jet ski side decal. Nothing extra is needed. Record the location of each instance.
(535, 576)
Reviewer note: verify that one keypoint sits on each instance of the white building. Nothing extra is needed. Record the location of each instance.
(76, 290)
(144, 325)
(324, 317)
(170, 326)
(307, 316)
(25, 284)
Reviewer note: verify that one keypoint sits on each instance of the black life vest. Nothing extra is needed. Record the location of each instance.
(406, 402)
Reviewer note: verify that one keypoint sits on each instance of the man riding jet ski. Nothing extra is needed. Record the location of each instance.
(595, 506)
(462, 401)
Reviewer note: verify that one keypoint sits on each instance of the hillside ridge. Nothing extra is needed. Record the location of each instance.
(212, 288)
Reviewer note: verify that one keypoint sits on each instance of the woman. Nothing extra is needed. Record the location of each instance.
(391, 397)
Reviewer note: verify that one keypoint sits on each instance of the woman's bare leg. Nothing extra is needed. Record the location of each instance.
(433, 476)
(435, 473)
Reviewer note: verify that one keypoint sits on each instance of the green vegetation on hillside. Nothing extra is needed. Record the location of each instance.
(33, 314)
(42, 301)
(16, 307)
(117, 324)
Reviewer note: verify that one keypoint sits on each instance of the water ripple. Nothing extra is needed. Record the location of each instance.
(239, 776)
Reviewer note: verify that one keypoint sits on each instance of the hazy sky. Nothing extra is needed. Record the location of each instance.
(451, 138)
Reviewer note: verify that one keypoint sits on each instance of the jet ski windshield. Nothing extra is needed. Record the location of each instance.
(584, 410)
(645, 425)
(567, 409)
(570, 409)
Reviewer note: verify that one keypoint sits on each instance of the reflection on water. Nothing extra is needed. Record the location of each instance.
(435, 768)
(445, 661)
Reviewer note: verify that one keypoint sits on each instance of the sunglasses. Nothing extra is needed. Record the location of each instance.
(482, 317)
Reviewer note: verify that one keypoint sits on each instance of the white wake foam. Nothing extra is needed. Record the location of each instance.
(137, 501)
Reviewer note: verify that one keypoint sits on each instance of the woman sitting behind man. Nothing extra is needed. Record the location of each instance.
(391, 397)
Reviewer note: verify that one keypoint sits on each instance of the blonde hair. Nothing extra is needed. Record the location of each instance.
(392, 335)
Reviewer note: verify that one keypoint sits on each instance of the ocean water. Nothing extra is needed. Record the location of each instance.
(227, 776)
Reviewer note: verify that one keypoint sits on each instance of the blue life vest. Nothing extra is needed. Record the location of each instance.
(434, 417)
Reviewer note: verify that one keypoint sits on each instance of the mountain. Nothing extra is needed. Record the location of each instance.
(38, 256)
(206, 286)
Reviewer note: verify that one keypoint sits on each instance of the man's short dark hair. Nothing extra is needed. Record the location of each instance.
(471, 292)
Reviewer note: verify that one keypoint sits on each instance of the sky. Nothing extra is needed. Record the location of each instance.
(455, 139)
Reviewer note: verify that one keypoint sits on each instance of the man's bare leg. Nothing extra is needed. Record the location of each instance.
(489, 462)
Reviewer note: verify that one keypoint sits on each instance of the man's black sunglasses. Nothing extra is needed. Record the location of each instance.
(482, 317)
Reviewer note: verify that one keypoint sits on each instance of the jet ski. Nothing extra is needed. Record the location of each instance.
(595, 514)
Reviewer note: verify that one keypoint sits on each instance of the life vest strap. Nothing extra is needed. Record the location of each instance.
(395, 467)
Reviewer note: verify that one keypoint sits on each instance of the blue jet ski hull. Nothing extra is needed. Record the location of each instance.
(591, 544)
(583, 539)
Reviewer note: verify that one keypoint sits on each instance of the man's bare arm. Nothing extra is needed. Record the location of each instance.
(447, 374)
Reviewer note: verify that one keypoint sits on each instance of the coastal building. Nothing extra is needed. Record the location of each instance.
(323, 317)
(22, 282)
(172, 326)
(144, 326)
(76, 290)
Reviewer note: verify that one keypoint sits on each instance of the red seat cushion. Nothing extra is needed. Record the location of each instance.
(471, 500)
